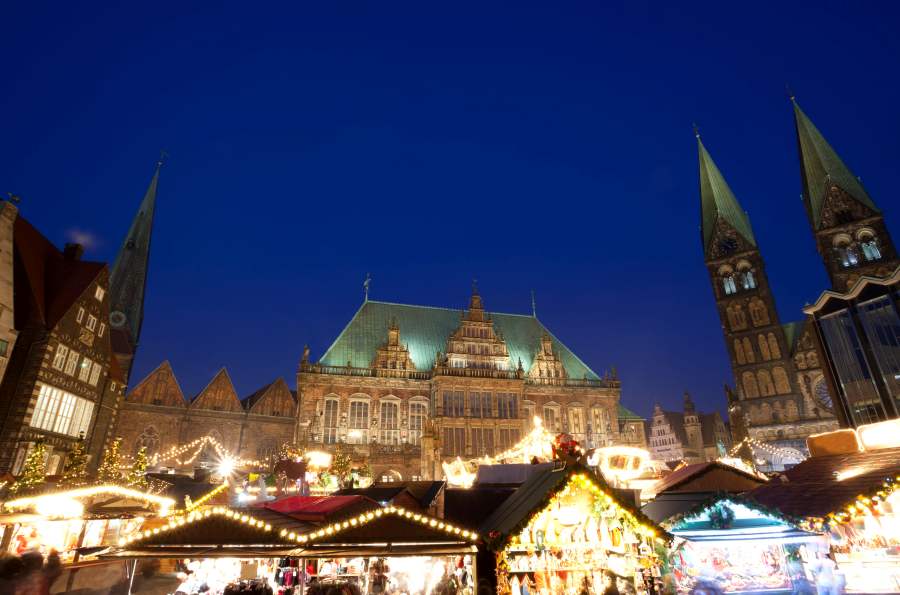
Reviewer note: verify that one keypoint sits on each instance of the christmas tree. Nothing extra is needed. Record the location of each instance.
(137, 478)
(109, 473)
(32, 476)
(340, 465)
(75, 474)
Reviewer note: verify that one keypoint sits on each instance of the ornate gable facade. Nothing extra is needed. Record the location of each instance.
(409, 387)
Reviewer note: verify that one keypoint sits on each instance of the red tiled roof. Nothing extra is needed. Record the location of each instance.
(822, 485)
(320, 508)
(51, 283)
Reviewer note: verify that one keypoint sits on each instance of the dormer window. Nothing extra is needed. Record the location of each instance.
(99, 293)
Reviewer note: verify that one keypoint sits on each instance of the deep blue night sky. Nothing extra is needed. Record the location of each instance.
(429, 145)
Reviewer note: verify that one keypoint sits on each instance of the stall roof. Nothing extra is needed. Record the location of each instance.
(510, 474)
(822, 485)
(708, 477)
(670, 504)
(253, 530)
(423, 492)
(320, 508)
(534, 493)
(470, 507)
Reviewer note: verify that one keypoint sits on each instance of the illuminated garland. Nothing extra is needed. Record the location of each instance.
(864, 504)
(208, 496)
(579, 478)
(59, 499)
(197, 447)
(332, 529)
(768, 448)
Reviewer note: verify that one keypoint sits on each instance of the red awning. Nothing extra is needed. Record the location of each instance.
(320, 508)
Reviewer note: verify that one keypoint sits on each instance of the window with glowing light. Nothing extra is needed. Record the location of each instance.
(390, 422)
(418, 413)
(61, 412)
(359, 422)
(330, 421)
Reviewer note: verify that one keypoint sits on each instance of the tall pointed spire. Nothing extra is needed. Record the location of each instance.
(718, 201)
(821, 168)
(128, 279)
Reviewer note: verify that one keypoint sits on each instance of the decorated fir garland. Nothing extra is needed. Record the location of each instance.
(721, 516)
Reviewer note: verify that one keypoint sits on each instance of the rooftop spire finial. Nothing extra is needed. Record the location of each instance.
(533, 305)
(790, 92)
(474, 286)
(696, 130)
(366, 283)
(163, 155)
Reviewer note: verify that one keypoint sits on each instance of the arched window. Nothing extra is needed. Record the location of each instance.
(764, 348)
(748, 351)
(870, 250)
(773, 346)
(739, 352)
(729, 285)
(751, 388)
(737, 320)
(766, 387)
(765, 413)
(148, 439)
(330, 421)
(791, 411)
(782, 385)
(758, 312)
(266, 450)
(390, 421)
(418, 415)
(748, 280)
(552, 420)
(358, 422)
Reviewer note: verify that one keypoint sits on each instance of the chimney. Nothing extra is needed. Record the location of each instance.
(73, 251)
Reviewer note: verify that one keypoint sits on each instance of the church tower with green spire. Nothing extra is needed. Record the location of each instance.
(128, 280)
(764, 373)
(850, 232)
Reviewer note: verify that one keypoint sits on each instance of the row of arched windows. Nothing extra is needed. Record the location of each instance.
(764, 383)
(737, 320)
(850, 252)
(741, 279)
(767, 344)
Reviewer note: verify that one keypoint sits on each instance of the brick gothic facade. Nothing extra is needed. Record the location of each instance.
(62, 379)
(156, 415)
(782, 393)
(408, 387)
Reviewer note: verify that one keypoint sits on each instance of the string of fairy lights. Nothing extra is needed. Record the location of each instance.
(775, 451)
(195, 448)
(302, 538)
(870, 504)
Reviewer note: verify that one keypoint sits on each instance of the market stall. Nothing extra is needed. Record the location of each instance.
(848, 489)
(377, 550)
(733, 545)
(77, 523)
(565, 531)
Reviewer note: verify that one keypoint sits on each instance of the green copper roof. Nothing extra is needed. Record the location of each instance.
(821, 167)
(425, 330)
(625, 413)
(792, 332)
(128, 279)
(717, 200)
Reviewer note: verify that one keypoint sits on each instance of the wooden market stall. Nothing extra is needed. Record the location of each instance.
(360, 552)
(565, 530)
(732, 544)
(848, 490)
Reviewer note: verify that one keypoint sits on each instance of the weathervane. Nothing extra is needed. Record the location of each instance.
(163, 155)
(366, 284)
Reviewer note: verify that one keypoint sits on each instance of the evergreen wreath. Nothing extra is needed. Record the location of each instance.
(721, 516)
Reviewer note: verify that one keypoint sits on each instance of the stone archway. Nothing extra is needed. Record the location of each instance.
(388, 476)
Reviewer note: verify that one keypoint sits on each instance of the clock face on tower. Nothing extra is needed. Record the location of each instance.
(117, 319)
